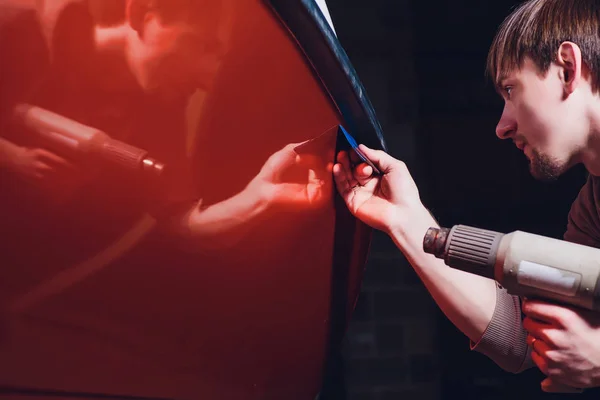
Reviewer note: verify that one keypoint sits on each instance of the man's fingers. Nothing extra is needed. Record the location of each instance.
(540, 347)
(550, 386)
(315, 165)
(343, 159)
(54, 159)
(317, 181)
(537, 309)
(42, 168)
(550, 355)
(552, 313)
(354, 157)
(545, 361)
(383, 161)
(542, 330)
(343, 175)
(308, 160)
(363, 173)
(286, 156)
(279, 163)
(296, 194)
(540, 362)
(342, 180)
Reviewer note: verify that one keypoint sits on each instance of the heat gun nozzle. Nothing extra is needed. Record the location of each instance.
(153, 167)
(463, 247)
(435, 240)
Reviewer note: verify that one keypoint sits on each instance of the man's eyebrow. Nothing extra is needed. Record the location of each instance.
(500, 82)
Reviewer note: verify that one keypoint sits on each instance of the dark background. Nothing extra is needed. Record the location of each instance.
(422, 64)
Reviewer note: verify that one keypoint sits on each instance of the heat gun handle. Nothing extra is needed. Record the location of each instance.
(63, 132)
(84, 143)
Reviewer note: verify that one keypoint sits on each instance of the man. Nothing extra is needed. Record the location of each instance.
(545, 64)
(61, 222)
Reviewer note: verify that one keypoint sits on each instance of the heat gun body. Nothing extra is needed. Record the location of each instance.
(526, 264)
(86, 145)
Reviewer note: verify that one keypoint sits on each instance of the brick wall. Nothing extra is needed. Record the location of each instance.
(390, 348)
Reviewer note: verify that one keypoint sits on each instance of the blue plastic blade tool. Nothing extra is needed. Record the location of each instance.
(358, 151)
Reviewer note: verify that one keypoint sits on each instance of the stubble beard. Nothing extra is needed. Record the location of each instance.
(545, 168)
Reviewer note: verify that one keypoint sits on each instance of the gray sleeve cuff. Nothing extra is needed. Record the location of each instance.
(505, 341)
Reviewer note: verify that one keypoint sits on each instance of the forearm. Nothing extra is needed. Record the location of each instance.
(222, 225)
(466, 299)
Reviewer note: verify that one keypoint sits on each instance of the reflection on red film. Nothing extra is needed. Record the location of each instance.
(168, 213)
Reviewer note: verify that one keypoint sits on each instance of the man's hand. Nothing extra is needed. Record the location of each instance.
(51, 174)
(291, 180)
(565, 343)
(287, 181)
(384, 202)
(39, 165)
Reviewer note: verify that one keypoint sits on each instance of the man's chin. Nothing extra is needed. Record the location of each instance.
(546, 172)
(542, 177)
(545, 168)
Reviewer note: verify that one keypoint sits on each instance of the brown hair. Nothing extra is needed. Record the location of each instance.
(536, 29)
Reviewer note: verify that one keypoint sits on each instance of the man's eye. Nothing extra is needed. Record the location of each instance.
(507, 90)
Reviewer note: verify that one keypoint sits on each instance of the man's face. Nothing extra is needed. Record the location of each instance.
(547, 125)
(175, 59)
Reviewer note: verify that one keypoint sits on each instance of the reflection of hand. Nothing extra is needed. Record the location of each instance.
(291, 180)
(383, 201)
(47, 171)
(286, 181)
(565, 345)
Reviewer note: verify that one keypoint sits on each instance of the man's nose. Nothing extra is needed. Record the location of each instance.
(507, 126)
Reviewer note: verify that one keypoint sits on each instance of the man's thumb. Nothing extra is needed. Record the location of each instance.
(381, 159)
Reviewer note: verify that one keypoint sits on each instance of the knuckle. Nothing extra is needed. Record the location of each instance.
(401, 165)
(552, 359)
(565, 317)
(553, 373)
(552, 337)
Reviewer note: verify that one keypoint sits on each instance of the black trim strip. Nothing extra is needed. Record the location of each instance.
(311, 31)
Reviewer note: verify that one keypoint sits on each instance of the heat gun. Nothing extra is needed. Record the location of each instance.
(526, 264)
(86, 145)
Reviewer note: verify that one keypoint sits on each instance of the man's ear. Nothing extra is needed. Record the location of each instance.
(569, 59)
(136, 13)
